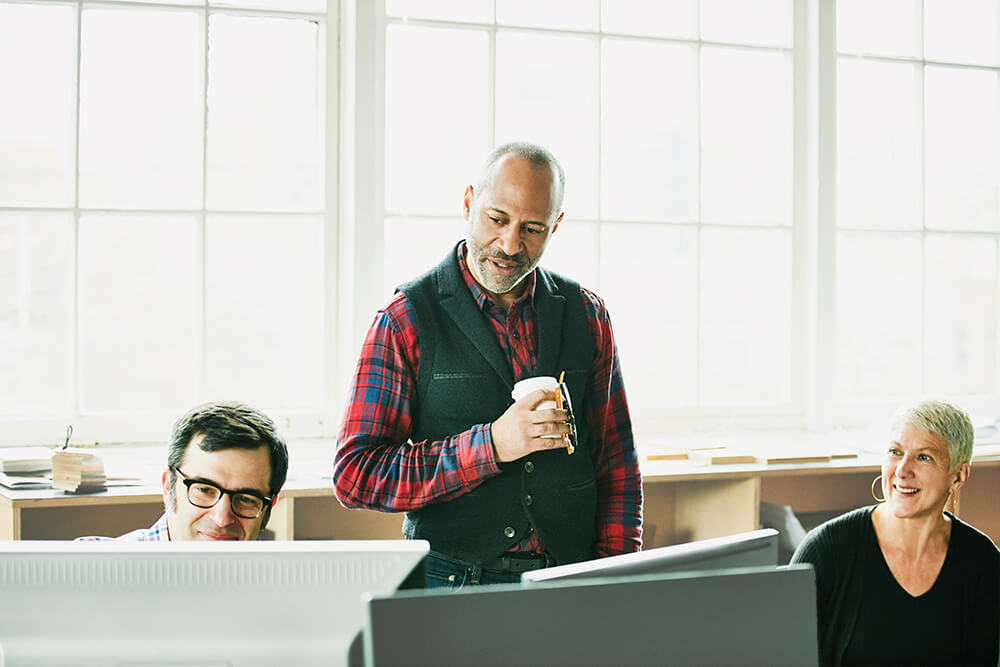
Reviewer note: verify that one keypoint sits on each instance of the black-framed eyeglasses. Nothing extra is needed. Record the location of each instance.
(204, 494)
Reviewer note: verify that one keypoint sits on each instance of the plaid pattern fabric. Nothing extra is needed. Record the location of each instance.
(376, 468)
(155, 533)
(515, 329)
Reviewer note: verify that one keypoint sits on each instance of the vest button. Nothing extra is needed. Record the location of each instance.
(527, 500)
(529, 466)
(508, 531)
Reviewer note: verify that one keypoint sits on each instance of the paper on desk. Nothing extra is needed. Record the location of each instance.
(25, 460)
(124, 481)
(25, 482)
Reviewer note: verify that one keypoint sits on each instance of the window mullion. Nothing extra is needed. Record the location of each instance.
(821, 245)
(75, 384)
(201, 294)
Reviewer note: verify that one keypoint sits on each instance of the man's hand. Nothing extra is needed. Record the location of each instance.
(521, 429)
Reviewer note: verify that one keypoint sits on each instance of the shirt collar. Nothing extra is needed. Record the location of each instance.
(159, 532)
(482, 297)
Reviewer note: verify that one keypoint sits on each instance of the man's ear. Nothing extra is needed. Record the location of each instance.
(556, 225)
(469, 196)
(165, 481)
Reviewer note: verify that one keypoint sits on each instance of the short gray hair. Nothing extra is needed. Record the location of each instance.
(946, 420)
(537, 155)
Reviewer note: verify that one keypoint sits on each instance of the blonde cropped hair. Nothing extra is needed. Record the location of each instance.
(945, 419)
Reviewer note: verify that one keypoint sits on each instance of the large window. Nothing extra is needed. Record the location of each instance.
(673, 122)
(692, 205)
(791, 207)
(161, 212)
(918, 205)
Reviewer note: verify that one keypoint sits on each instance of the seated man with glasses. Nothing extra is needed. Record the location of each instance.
(225, 466)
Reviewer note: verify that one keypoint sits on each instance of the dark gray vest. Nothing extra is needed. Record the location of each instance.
(465, 379)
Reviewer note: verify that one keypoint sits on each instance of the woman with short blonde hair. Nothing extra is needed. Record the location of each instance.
(905, 582)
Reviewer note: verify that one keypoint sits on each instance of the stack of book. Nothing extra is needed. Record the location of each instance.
(78, 470)
(25, 460)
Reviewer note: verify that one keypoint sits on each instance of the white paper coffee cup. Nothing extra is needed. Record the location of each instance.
(528, 385)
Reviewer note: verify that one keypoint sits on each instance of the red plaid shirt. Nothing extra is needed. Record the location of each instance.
(376, 467)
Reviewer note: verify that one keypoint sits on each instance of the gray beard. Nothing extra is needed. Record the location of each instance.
(492, 282)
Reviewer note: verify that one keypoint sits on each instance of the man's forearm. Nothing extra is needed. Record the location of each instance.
(404, 477)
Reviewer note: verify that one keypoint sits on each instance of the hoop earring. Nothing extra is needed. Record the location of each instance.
(874, 482)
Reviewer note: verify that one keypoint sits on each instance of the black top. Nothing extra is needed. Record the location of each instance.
(933, 621)
(865, 617)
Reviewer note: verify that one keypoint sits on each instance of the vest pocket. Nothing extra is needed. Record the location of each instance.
(458, 376)
(449, 395)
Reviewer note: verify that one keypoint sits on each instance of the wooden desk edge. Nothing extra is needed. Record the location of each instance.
(680, 471)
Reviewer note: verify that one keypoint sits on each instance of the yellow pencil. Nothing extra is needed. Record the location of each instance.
(559, 404)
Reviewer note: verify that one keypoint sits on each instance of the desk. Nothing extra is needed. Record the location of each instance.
(683, 501)
(686, 501)
(306, 507)
(53, 514)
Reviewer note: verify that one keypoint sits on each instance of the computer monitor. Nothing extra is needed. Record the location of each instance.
(753, 616)
(239, 604)
(753, 549)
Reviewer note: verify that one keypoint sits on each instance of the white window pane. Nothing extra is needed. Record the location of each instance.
(746, 310)
(661, 18)
(746, 136)
(962, 149)
(160, 2)
(552, 101)
(878, 315)
(886, 27)
(766, 22)
(963, 31)
(960, 315)
(36, 291)
(436, 115)
(649, 155)
(655, 336)
(570, 14)
(573, 251)
(264, 310)
(137, 279)
(878, 173)
(36, 133)
(414, 245)
(450, 10)
(141, 108)
(265, 142)
(281, 5)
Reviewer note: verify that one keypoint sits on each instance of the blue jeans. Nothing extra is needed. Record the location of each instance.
(446, 572)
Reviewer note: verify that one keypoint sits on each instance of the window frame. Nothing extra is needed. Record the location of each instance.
(353, 54)
(154, 425)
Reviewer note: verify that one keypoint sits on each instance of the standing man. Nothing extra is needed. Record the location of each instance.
(226, 464)
(430, 428)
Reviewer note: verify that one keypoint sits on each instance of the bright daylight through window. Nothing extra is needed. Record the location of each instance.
(791, 207)
(161, 210)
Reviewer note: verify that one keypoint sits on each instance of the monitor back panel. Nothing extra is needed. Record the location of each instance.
(756, 548)
(755, 616)
(246, 604)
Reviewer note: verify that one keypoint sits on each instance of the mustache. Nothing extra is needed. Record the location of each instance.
(501, 255)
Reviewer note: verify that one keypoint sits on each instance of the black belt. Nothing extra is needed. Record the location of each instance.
(519, 563)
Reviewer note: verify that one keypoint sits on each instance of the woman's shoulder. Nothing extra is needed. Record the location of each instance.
(838, 534)
(973, 541)
(848, 522)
